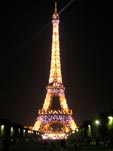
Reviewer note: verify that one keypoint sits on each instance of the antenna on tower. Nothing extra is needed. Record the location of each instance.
(55, 15)
(55, 7)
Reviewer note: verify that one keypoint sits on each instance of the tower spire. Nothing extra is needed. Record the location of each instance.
(55, 8)
(55, 14)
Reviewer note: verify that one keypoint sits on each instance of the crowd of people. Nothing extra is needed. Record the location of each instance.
(60, 145)
(48, 145)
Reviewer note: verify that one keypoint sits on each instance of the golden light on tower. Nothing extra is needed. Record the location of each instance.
(55, 70)
(55, 88)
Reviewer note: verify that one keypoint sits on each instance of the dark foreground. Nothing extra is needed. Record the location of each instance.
(56, 146)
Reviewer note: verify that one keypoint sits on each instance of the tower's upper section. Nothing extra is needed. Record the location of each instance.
(55, 68)
(55, 14)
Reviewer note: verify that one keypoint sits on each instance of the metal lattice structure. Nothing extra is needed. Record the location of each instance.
(55, 88)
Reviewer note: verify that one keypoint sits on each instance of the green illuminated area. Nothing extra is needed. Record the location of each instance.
(2, 130)
(110, 122)
(89, 130)
(11, 131)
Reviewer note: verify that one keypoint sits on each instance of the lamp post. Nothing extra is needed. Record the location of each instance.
(11, 132)
(2, 130)
(89, 135)
(89, 130)
(110, 122)
(97, 124)
(110, 128)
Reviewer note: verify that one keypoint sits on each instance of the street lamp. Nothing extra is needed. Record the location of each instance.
(24, 131)
(97, 122)
(2, 130)
(110, 122)
(11, 131)
(89, 130)
(110, 127)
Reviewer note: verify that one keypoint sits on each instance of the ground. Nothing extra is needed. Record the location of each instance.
(41, 146)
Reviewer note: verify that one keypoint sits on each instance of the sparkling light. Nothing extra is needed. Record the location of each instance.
(55, 87)
(55, 70)
(55, 136)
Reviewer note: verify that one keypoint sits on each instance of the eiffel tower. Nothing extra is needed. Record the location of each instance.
(55, 89)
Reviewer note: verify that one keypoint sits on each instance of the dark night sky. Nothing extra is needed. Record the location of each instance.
(86, 57)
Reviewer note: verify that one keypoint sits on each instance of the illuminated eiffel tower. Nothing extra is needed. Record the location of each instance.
(55, 89)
